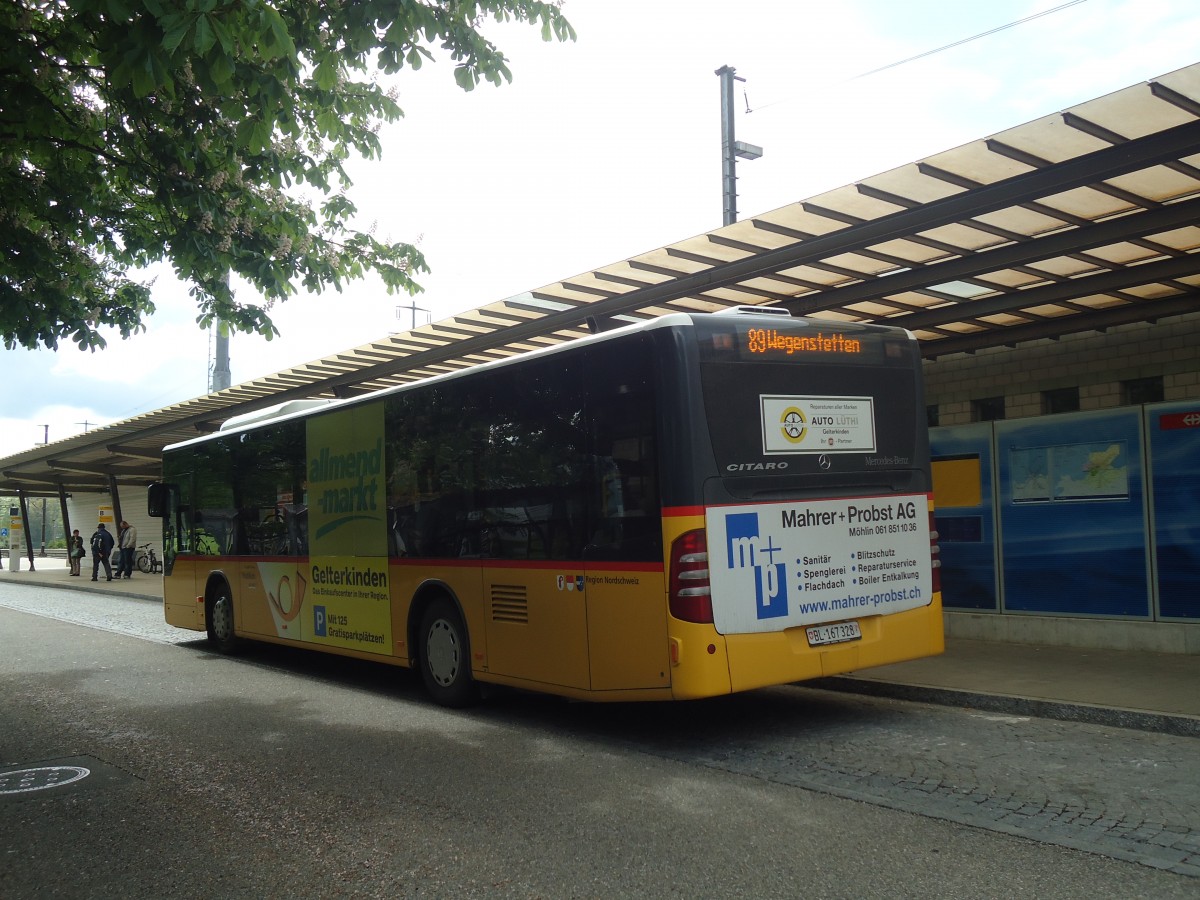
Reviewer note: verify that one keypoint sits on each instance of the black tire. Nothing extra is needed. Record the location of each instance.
(219, 619)
(446, 656)
(143, 563)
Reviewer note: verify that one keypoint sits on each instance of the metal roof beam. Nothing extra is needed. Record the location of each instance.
(13, 479)
(325, 370)
(504, 317)
(343, 391)
(529, 307)
(1182, 140)
(68, 465)
(1103, 283)
(554, 299)
(141, 452)
(370, 355)
(635, 283)
(947, 250)
(463, 332)
(583, 289)
(412, 340)
(1110, 231)
(1147, 310)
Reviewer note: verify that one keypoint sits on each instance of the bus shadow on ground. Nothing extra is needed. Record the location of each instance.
(669, 727)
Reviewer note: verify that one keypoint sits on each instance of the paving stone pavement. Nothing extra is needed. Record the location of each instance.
(124, 614)
(1122, 793)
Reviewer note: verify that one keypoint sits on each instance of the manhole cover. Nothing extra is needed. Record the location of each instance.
(24, 781)
(29, 781)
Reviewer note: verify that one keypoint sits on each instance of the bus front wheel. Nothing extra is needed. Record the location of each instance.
(220, 619)
(445, 656)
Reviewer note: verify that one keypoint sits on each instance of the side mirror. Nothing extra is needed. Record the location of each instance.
(158, 500)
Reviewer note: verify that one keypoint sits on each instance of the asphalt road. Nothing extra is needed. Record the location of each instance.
(279, 773)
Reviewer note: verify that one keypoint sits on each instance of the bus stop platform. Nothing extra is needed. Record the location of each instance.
(1123, 688)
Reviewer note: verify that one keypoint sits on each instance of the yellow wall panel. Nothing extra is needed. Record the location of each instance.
(957, 482)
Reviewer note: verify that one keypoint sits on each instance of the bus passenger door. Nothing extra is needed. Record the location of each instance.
(179, 571)
(626, 616)
(272, 588)
(626, 619)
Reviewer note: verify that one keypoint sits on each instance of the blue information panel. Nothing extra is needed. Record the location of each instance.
(1173, 432)
(963, 496)
(1072, 514)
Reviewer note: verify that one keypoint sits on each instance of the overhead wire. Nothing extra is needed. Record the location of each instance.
(936, 50)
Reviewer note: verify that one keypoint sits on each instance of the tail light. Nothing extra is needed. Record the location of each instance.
(935, 562)
(690, 592)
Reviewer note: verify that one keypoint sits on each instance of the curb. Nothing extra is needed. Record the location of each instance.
(85, 588)
(1114, 717)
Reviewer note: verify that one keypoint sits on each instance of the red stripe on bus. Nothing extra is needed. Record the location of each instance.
(549, 564)
(683, 510)
(556, 565)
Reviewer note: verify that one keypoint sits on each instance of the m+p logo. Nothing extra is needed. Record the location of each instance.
(745, 549)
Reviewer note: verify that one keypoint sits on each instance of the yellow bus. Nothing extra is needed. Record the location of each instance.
(686, 507)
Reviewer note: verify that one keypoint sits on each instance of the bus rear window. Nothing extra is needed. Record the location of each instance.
(779, 398)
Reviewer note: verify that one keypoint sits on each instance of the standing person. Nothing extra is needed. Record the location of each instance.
(102, 544)
(75, 551)
(128, 543)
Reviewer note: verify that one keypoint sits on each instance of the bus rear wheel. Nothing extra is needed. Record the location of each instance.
(446, 657)
(220, 619)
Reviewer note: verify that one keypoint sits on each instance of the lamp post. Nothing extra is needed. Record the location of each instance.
(45, 440)
(731, 150)
(221, 375)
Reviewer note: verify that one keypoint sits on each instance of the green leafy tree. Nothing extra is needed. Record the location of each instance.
(209, 133)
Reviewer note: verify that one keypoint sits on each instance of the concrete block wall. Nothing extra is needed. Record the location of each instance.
(84, 510)
(1096, 363)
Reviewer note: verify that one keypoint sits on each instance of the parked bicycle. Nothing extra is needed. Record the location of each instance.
(148, 561)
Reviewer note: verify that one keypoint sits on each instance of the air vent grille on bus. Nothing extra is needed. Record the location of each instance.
(510, 603)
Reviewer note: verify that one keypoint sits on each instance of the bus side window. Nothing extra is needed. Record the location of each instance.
(169, 507)
(178, 514)
(182, 530)
(625, 517)
(431, 458)
(534, 465)
(267, 479)
(296, 518)
(204, 541)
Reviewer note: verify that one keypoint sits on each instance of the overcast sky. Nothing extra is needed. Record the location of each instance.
(610, 146)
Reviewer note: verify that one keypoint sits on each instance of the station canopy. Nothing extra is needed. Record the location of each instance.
(1078, 221)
